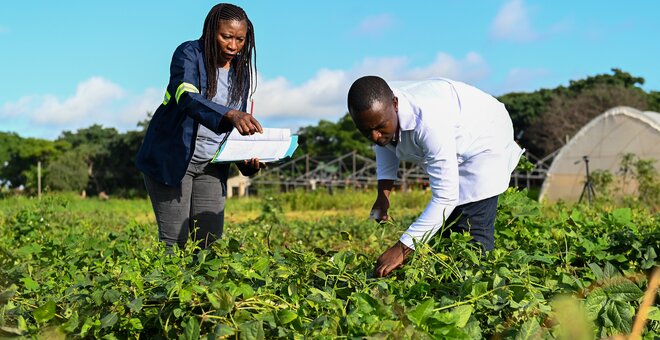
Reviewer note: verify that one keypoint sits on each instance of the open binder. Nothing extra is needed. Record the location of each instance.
(272, 145)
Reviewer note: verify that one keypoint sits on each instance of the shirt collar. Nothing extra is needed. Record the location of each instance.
(406, 112)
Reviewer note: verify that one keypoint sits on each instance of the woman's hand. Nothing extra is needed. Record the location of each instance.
(254, 164)
(244, 122)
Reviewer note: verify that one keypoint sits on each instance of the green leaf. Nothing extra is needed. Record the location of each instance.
(6, 295)
(190, 329)
(213, 299)
(28, 250)
(11, 330)
(45, 312)
(421, 312)
(226, 301)
(345, 236)
(285, 316)
(29, 283)
(111, 296)
(531, 329)
(245, 290)
(623, 290)
(598, 273)
(261, 265)
(222, 330)
(479, 288)
(595, 303)
(622, 216)
(654, 314)
(136, 324)
(252, 330)
(185, 295)
(22, 324)
(135, 305)
(577, 217)
(610, 271)
(97, 296)
(88, 324)
(70, 325)
(109, 320)
(649, 258)
(463, 313)
(621, 315)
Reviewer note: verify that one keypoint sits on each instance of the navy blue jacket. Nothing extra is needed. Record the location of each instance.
(169, 143)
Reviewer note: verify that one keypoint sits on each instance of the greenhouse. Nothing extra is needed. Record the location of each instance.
(601, 145)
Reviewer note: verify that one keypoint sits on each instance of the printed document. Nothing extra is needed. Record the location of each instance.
(270, 146)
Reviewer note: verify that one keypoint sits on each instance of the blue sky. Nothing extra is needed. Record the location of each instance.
(69, 64)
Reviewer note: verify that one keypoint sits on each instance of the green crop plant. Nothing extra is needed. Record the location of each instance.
(83, 269)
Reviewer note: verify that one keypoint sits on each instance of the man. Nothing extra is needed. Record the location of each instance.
(461, 136)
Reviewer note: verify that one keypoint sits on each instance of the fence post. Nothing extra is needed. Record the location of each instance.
(39, 179)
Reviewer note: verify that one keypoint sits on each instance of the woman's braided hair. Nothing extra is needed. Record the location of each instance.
(244, 65)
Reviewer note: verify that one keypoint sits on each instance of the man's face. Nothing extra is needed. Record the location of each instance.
(380, 122)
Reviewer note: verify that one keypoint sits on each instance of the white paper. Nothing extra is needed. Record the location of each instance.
(269, 146)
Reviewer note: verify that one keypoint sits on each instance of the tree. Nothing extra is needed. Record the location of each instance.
(654, 101)
(333, 139)
(542, 119)
(22, 156)
(9, 144)
(566, 113)
(67, 172)
(92, 144)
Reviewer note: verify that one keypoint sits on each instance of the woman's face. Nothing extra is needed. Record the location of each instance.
(231, 39)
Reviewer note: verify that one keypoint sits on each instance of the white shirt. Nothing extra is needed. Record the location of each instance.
(461, 136)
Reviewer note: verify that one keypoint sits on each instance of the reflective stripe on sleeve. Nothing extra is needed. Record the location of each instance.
(185, 87)
(167, 98)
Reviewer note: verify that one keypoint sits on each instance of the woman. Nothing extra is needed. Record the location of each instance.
(210, 81)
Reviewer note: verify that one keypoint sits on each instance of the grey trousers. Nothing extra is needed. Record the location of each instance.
(196, 207)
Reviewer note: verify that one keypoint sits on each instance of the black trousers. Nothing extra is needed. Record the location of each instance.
(477, 218)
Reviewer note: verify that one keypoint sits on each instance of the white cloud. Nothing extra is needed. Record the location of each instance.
(471, 69)
(321, 96)
(136, 108)
(278, 102)
(324, 96)
(95, 101)
(92, 97)
(512, 23)
(375, 24)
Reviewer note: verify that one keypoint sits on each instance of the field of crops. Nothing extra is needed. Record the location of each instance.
(299, 265)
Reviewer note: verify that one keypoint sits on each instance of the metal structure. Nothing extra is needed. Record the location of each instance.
(354, 170)
(348, 170)
(588, 186)
(537, 175)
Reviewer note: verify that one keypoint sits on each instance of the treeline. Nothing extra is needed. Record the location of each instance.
(98, 159)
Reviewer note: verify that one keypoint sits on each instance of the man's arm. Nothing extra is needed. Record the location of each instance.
(393, 257)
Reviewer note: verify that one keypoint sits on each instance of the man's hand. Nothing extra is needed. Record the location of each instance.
(245, 123)
(391, 259)
(379, 209)
(382, 204)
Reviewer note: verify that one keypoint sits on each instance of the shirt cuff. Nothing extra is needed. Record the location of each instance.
(407, 240)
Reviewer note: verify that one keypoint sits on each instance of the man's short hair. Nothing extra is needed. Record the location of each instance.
(365, 92)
